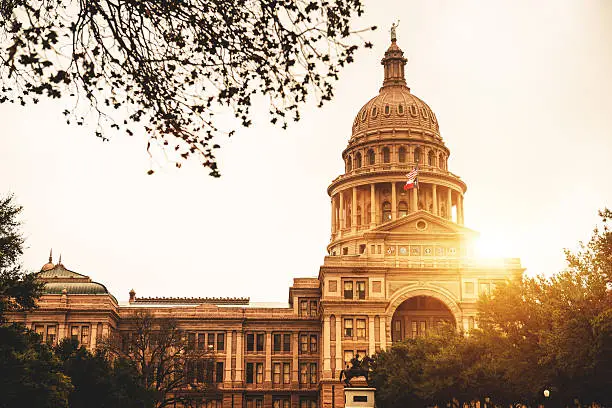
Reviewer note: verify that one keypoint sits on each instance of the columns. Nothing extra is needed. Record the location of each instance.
(326, 347)
(372, 205)
(460, 209)
(228, 357)
(294, 361)
(341, 217)
(339, 356)
(415, 200)
(268, 369)
(393, 201)
(239, 356)
(434, 195)
(371, 336)
(354, 210)
(383, 333)
(449, 203)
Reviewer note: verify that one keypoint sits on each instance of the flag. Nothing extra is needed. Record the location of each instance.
(412, 181)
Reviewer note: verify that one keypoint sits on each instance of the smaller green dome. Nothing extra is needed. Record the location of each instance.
(74, 288)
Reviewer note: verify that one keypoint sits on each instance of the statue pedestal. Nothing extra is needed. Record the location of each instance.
(359, 397)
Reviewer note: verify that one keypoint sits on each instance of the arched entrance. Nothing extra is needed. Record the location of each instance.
(417, 310)
(419, 315)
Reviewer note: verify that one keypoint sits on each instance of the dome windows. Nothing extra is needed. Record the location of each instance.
(401, 155)
(364, 115)
(431, 158)
(424, 113)
(371, 157)
(349, 164)
(374, 112)
(413, 111)
(417, 155)
(386, 153)
(442, 162)
(400, 109)
(387, 110)
(358, 160)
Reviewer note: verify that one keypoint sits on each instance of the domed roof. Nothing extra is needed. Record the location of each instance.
(395, 107)
(49, 265)
(59, 280)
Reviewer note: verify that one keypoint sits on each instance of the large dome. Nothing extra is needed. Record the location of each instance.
(394, 108)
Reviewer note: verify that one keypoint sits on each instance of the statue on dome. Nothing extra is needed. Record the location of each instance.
(394, 31)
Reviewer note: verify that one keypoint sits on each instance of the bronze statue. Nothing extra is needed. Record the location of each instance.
(359, 368)
(394, 31)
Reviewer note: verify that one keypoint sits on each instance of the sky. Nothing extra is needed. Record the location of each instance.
(523, 94)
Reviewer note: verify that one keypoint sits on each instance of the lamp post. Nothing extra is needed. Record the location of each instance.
(546, 395)
(487, 402)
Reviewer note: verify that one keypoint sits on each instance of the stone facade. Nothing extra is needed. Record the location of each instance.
(400, 263)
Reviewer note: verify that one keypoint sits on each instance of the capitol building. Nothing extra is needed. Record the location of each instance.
(400, 262)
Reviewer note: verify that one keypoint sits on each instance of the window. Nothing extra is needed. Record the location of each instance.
(250, 340)
(286, 343)
(308, 403)
(400, 109)
(402, 209)
(74, 333)
(349, 164)
(386, 153)
(313, 373)
(314, 308)
(417, 155)
(469, 288)
(441, 162)
(191, 338)
(254, 402)
(358, 215)
(303, 307)
(348, 356)
(303, 343)
(221, 342)
(276, 342)
(371, 157)
(191, 371)
(386, 211)
(361, 328)
(260, 341)
(85, 335)
(249, 372)
(280, 403)
(361, 289)
(286, 373)
(276, 373)
(374, 112)
(485, 289)
(211, 341)
(308, 373)
(259, 373)
(201, 341)
(368, 214)
(401, 155)
(358, 160)
(348, 327)
(431, 158)
(313, 343)
(387, 109)
(51, 334)
(348, 289)
(219, 371)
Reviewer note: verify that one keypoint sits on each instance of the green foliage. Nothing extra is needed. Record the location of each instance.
(30, 374)
(167, 67)
(18, 290)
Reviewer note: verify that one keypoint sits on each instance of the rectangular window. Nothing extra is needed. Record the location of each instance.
(303, 308)
(313, 308)
(303, 343)
(280, 403)
(249, 373)
(211, 341)
(303, 373)
(361, 328)
(313, 343)
(348, 327)
(313, 373)
(422, 327)
(348, 289)
(259, 372)
(191, 338)
(250, 340)
(74, 333)
(286, 373)
(219, 372)
(276, 342)
(276, 373)
(415, 331)
(362, 354)
(361, 289)
(201, 341)
(348, 356)
(308, 403)
(287, 343)
(85, 335)
(260, 341)
(51, 334)
(40, 330)
(485, 289)
(200, 370)
(220, 341)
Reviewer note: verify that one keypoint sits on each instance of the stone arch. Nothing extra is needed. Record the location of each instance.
(408, 292)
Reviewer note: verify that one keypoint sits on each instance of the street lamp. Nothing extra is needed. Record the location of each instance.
(487, 401)
(546, 395)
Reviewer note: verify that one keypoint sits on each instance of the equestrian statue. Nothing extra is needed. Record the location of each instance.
(359, 368)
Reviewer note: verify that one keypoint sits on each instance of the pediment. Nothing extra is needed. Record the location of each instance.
(423, 222)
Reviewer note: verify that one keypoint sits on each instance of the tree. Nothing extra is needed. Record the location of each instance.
(18, 290)
(163, 359)
(170, 65)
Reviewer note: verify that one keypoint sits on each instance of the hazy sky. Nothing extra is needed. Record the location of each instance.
(523, 94)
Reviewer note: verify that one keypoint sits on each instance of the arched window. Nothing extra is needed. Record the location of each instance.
(417, 155)
(368, 219)
(358, 215)
(358, 160)
(371, 157)
(349, 164)
(402, 209)
(349, 217)
(401, 155)
(431, 158)
(386, 211)
(386, 155)
(441, 162)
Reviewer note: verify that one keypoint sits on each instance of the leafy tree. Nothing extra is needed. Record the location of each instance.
(170, 65)
(18, 290)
